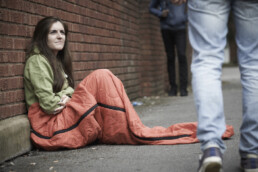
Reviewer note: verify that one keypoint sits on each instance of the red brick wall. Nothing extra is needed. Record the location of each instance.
(153, 57)
(119, 35)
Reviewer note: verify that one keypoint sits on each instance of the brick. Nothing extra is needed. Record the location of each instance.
(6, 43)
(20, 44)
(80, 75)
(7, 97)
(9, 83)
(10, 110)
(11, 69)
(9, 56)
(34, 8)
(14, 4)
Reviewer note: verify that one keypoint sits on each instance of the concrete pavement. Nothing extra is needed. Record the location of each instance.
(163, 111)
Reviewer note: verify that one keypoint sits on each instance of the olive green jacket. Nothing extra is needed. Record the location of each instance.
(38, 84)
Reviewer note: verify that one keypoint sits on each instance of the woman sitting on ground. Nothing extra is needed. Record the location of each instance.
(98, 110)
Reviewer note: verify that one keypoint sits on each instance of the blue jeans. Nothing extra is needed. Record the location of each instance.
(207, 33)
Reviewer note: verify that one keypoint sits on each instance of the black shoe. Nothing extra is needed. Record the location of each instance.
(183, 93)
(172, 93)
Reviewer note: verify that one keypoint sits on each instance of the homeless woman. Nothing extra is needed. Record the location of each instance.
(98, 110)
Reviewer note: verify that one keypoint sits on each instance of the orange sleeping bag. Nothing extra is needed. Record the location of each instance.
(100, 110)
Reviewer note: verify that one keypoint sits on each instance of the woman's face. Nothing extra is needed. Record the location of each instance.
(56, 37)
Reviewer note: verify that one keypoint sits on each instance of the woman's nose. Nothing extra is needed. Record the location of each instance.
(59, 35)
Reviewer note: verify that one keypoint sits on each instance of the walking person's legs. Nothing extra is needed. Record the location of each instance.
(207, 34)
(246, 20)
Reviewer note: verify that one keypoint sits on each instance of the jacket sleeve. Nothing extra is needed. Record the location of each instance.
(42, 78)
(153, 8)
(66, 91)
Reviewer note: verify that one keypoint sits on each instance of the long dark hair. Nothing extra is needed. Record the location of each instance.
(62, 61)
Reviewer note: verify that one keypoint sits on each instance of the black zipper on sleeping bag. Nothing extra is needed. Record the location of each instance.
(161, 138)
(145, 138)
(70, 128)
(112, 108)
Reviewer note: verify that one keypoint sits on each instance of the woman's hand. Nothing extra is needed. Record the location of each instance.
(64, 100)
(164, 13)
(178, 2)
(58, 110)
(62, 103)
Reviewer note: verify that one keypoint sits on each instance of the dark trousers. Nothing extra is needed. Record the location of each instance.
(176, 40)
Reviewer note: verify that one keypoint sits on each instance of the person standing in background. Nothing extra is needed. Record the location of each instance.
(173, 20)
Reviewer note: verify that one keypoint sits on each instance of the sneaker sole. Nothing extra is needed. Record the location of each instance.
(211, 164)
(250, 170)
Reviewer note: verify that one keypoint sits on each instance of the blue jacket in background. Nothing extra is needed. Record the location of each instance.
(177, 15)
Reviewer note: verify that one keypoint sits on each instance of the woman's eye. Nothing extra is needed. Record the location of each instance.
(62, 32)
(53, 32)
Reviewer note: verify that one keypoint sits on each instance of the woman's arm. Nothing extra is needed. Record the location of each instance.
(178, 2)
(157, 9)
(41, 78)
(153, 8)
